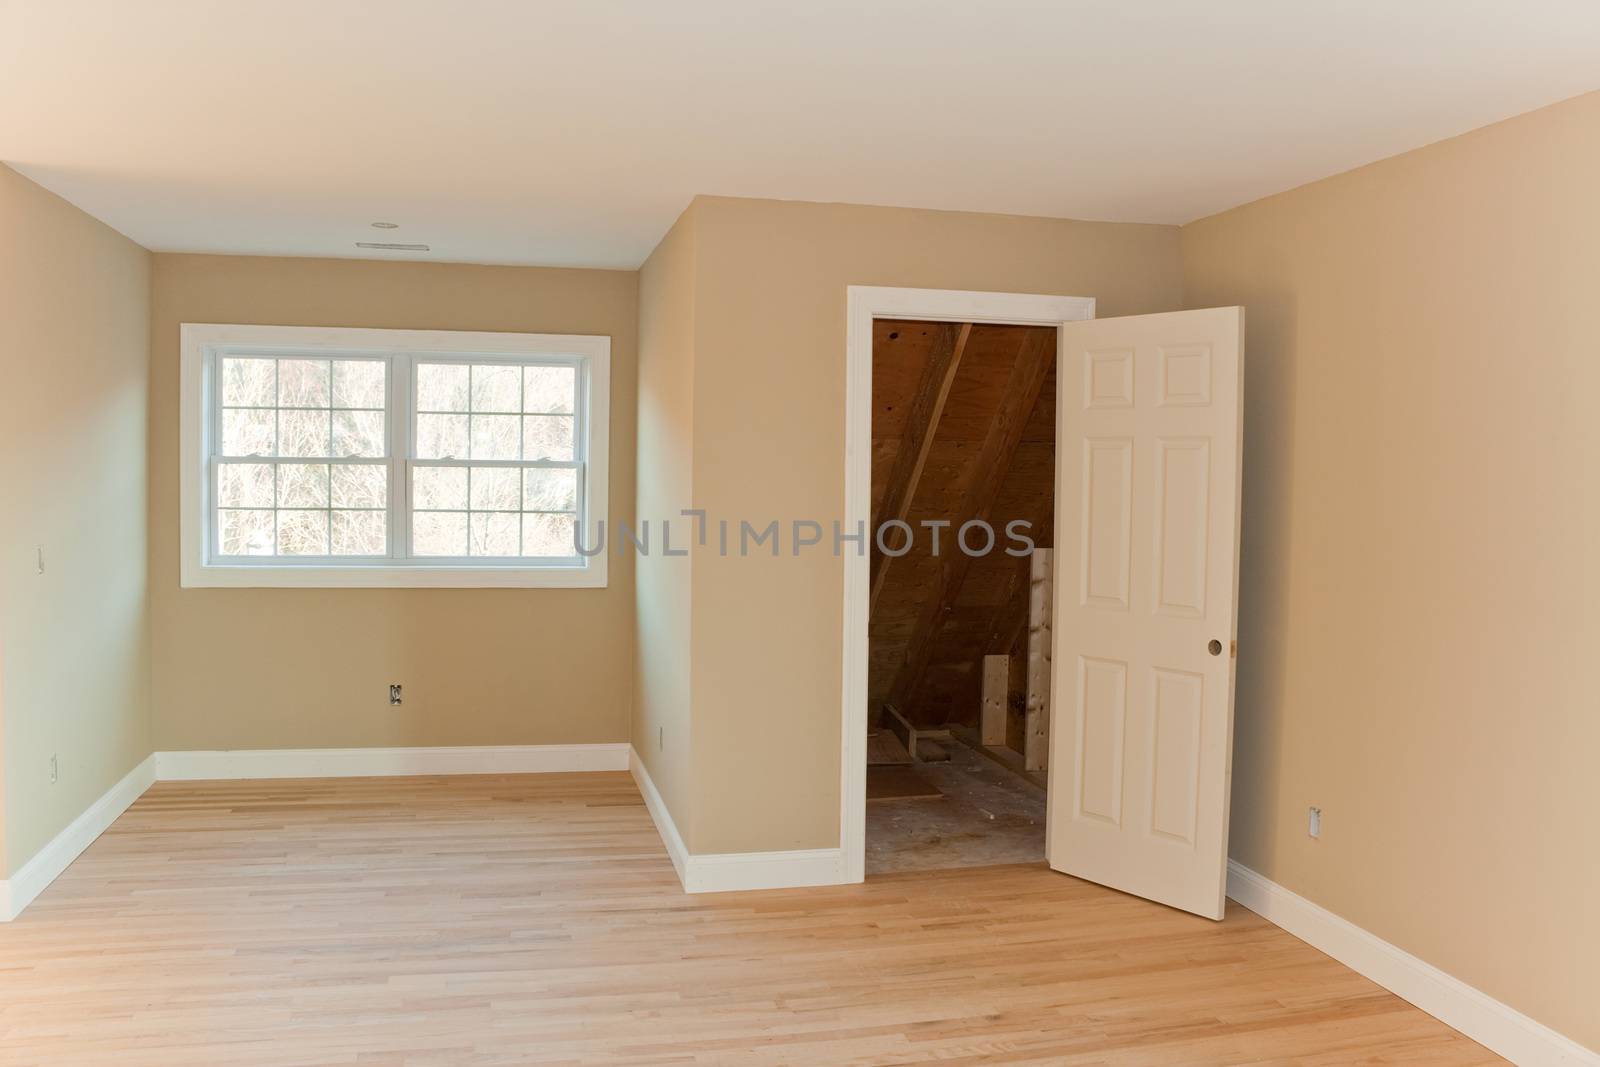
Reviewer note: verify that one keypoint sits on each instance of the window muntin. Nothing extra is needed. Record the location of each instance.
(315, 466)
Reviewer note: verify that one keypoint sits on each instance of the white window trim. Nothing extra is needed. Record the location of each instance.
(200, 340)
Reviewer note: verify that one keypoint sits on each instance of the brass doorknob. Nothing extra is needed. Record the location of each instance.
(1215, 647)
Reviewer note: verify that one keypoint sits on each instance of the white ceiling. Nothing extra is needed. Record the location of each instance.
(574, 133)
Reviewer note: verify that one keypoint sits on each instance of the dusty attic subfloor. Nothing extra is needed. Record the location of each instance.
(986, 816)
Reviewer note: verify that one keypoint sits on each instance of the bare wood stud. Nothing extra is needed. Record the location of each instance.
(996, 679)
(1037, 738)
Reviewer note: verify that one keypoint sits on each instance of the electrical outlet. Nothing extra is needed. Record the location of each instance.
(55, 769)
(394, 693)
(1314, 821)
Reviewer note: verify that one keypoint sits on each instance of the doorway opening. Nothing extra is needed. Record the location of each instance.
(963, 489)
(1146, 455)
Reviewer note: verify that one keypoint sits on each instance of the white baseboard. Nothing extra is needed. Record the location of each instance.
(383, 762)
(676, 850)
(724, 872)
(32, 877)
(1494, 1025)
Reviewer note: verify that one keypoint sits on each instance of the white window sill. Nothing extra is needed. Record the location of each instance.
(222, 576)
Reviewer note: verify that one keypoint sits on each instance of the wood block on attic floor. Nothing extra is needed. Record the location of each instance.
(920, 741)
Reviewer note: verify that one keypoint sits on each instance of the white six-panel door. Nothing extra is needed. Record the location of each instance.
(1147, 555)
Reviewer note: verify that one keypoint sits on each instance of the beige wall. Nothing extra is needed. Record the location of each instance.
(74, 641)
(296, 668)
(661, 695)
(1418, 623)
(769, 363)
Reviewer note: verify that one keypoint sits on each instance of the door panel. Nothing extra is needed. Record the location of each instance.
(1147, 500)
(1107, 521)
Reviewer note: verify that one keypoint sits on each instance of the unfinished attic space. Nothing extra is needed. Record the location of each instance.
(963, 431)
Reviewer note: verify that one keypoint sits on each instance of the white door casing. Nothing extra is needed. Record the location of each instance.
(1147, 561)
(863, 304)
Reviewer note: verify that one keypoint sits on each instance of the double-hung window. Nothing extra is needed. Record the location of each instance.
(349, 457)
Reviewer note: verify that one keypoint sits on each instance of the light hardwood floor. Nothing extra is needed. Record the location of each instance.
(536, 920)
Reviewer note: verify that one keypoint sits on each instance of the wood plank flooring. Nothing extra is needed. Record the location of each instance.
(535, 920)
